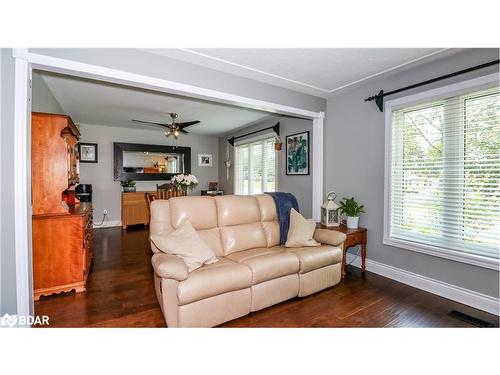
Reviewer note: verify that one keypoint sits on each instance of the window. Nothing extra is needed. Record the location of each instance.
(255, 167)
(443, 180)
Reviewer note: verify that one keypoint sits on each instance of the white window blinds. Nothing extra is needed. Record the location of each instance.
(255, 167)
(445, 174)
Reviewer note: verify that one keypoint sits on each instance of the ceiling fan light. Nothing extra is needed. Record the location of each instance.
(176, 133)
(167, 133)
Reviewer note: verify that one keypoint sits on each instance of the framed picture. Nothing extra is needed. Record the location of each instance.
(88, 152)
(205, 160)
(297, 154)
(213, 186)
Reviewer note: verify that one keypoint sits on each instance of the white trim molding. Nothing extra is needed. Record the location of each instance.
(317, 166)
(455, 293)
(415, 99)
(22, 183)
(108, 224)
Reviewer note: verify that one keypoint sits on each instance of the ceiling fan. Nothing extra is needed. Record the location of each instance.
(171, 129)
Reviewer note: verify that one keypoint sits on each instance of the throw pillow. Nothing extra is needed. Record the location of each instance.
(186, 244)
(301, 231)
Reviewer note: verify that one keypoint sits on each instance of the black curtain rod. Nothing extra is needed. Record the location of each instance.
(379, 98)
(275, 127)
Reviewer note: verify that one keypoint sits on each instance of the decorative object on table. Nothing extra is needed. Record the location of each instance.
(352, 209)
(183, 182)
(205, 160)
(297, 154)
(330, 215)
(212, 193)
(277, 142)
(128, 185)
(213, 186)
(87, 152)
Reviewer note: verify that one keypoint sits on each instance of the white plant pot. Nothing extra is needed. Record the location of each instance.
(352, 222)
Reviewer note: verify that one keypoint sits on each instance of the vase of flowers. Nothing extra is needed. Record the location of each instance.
(128, 185)
(183, 182)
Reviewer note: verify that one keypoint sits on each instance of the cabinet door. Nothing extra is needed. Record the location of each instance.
(134, 209)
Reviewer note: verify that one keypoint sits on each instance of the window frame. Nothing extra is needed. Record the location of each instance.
(440, 93)
(248, 141)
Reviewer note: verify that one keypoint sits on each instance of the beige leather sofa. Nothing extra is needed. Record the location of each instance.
(253, 271)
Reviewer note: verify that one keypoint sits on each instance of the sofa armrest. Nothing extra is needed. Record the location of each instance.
(329, 237)
(169, 267)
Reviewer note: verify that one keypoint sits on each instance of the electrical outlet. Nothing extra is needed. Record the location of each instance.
(105, 212)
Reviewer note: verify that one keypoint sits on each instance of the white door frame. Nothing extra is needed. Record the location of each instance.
(26, 61)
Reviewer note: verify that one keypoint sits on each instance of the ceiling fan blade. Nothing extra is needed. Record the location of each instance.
(151, 123)
(183, 131)
(183, 125)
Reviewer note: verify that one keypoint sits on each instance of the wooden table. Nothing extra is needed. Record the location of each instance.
(354, 237)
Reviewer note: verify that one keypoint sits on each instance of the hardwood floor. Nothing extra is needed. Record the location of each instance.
(120, 293)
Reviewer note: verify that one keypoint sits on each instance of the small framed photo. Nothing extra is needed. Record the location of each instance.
(213, 186)
(87, 152)
(205, 160)
(297, 154)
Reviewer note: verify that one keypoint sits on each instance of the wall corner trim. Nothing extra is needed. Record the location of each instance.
(455, 293)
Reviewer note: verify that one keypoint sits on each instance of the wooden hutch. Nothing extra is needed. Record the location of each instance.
(62, 227)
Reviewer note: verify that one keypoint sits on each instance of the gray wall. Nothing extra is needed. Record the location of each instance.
(107, 192)
(354, 155)
(300, 186)
(42, 98)
(7, 253)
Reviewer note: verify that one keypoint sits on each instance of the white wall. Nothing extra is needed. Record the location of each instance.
(354, 159)
(300, 186)
(107, 192)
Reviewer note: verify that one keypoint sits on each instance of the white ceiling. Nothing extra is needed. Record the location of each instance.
(98, 103)
(319, 72)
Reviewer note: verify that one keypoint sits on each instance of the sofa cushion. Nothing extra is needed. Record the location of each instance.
(301, 231)
(269, 219)
(214, 279)
(186, 244)
(200, 211)
(237, 209)
(267, 263)
(242, 237)
(312, 258)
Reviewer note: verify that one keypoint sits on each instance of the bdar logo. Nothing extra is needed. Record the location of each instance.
(8, 321)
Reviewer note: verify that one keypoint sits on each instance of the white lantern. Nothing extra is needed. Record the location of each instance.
(330, 211)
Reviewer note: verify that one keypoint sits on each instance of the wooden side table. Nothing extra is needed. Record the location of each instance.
(354, 237)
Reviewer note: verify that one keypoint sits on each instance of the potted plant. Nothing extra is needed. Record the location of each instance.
(352, 209)
(128, 185)
(277, 142)
(183, 182)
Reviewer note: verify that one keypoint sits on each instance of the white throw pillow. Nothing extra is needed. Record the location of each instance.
(301, 231)
(186, 244)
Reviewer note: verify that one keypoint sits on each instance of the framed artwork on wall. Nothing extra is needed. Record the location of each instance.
(297, 154)
(87, 152)
(205, 160)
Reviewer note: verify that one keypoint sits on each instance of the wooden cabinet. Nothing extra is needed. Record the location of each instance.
(62, 234)
(62, 251)
(135, 208)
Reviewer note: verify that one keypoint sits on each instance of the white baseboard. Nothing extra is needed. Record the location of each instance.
(455, 293)
(109, 224)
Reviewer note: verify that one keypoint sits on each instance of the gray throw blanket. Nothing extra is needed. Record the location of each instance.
(284, 203)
